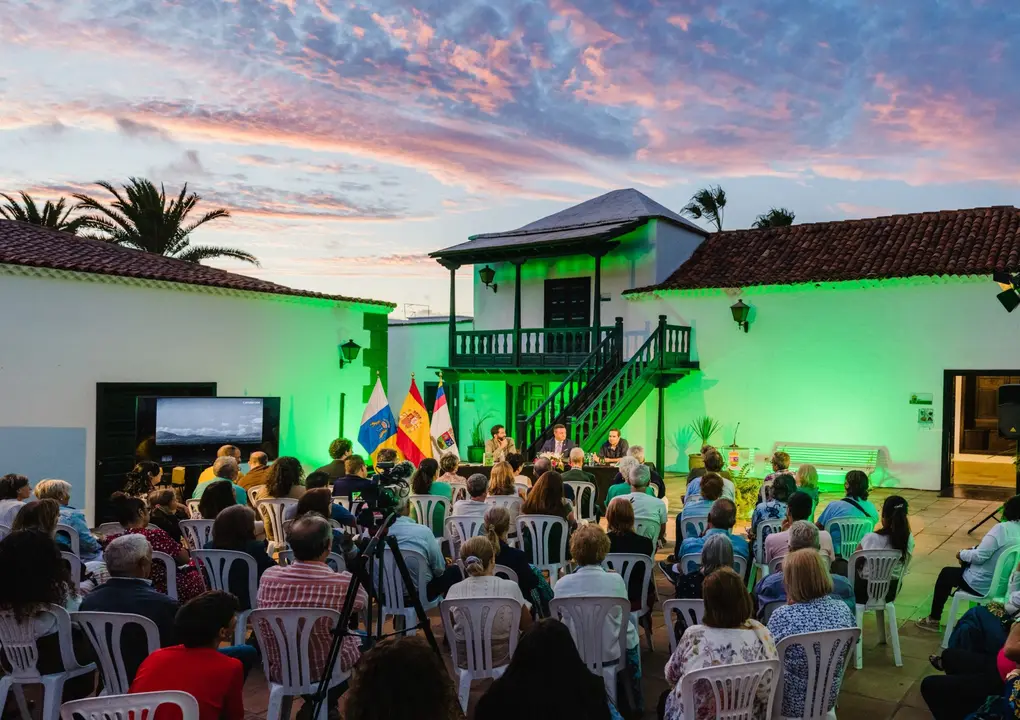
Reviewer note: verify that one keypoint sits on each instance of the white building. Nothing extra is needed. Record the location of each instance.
(88, 325)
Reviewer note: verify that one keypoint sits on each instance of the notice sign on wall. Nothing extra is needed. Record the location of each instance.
(925, 417)
(921, 399)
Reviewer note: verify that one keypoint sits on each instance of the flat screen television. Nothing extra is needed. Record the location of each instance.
(177, 427)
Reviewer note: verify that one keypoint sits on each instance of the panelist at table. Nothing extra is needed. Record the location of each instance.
(614, 448)
(559, 443)
(499, 445)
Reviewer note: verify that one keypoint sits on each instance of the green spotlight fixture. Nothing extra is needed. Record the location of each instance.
(487, 275)
(740, 312)
(348, 352)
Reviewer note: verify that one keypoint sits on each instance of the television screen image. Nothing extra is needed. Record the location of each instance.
(208, 421)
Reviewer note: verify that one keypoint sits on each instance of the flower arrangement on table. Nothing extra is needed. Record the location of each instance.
(555, 460)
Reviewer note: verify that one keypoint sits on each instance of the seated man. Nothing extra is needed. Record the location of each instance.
(226, 451)
(648, 509)
(621, 483)
(559, 443)
(802, 534)
(798, 507)
(499, 445)
(339, 450)
(637, 453)
(225, 468)
(713, 463)
(700, 505)
(614, 448)
(258, 471)
(355, 478)
(576, 473)
(475, 505)
(721, 519)
(439, 574)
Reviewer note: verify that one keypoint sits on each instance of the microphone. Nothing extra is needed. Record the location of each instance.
(735, 435)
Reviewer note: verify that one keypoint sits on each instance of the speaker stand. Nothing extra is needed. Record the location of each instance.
(1016, 469)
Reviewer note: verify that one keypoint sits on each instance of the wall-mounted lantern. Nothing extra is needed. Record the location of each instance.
(348, 352)
(487, 275)
(740, 312)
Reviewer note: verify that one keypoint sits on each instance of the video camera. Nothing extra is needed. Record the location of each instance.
(382, 497)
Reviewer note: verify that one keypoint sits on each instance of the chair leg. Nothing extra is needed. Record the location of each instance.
(19, 696)
(894, 634)
(53, 690)
(646, 622)
(954, 608)
(464, 689)
(274, 710)
(859, 661)
(880, 618)
(241, 629)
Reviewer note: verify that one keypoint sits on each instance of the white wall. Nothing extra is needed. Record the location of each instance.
(832, 365)
(61, 337)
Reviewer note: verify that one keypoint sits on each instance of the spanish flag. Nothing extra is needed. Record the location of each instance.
(413, 437)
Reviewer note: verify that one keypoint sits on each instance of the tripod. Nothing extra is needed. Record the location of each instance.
(363, 573)
(1016, 468)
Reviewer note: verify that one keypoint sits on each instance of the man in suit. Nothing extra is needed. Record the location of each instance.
(559, 443)
(576, 473)
(499, 445)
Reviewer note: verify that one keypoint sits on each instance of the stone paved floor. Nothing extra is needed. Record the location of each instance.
(880, 691)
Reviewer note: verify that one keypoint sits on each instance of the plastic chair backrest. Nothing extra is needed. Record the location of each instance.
(586, 617)
(461, 527)
(878, 566)
(285, 557)
(765, 528)
(139, 706)
(505, 501)
(732, 689)
(693, 525)
(583, 490)
(504, 572)
(475, 617)
(198, 532)
(274, 510)
(625, 564)
(109, 528)
(522, 488)
(193, 510)
(392, 585)
(826, 655)
(850, 531)
(255, 493)
(104, 630)
(286, 633)
(775, 565)
(216, 565)
(692, 561)
(423, 507)
(648, 528)
(18, 644)
(336, 563)
(1004, 565)
(171, 572)
(458, 491)
(540, 528)
(74, 563)
(691, 612)
(72, 534)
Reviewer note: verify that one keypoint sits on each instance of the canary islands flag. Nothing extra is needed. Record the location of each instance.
(443, 440)
(378, 428)
(413, 438)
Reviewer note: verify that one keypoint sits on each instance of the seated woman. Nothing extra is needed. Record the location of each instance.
(780, 462)
(133, 516)
(218, 496)
(496, 528)
(195, 666)
(145, 477)
(516, 461)
(809, 608)
(893, 535)
(807, 482)
(479, 563)
(622, 538)
(337, 512)
(727, 635)
(234, 529)
(620, 486)
(700, 504)
(977, 565)
(449, 463)
(39, 515)
(854, 505)
(60, 490)
(501, 482)
(547, 650)
(166, 513)
(320, 501)
(783, 486)
(588, 547)
(716, 553)
(546, 498)
(423, 482)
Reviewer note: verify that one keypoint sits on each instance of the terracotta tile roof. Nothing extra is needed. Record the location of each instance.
(948, 242)
(33, 246)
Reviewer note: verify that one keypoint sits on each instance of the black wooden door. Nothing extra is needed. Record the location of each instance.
(568, 305)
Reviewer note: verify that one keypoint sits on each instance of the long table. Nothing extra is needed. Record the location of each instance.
(604, 476)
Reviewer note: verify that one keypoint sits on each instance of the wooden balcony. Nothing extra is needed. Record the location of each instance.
(527, 348)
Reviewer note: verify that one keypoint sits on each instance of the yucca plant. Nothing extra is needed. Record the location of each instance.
(704, 428)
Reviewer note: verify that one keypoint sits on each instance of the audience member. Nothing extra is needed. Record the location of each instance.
(479, 565)
(309, 582)
(854, 505)
(354, 481)
(214, 679)
(14, 491)
(721, 519)
(166, 513)
(225, 468)
(339, 450)
(546, 498)
(474, 505)
(977, 565)
(771, 589)
(499, 445)
(284, 479)
(622, 538)
(225, 451)
(638, 453)
(217, 497)
(39, 515)
(128, 590)
(717, 552)
(501, 480)
(546, 651)
(783, 486)
(424, 482)
(893, 535)
(133, 516)
(540, 467)
(448, 465)
(700, 505)
(426, 689)
(258, 471)
(780, 466)
(713, 464)
(60, 491)
(588, 547)
(807, 482)
(410, 535)
(798, 507)
(620, 485)
(516, 461)
(496, 528)
(141, 480)
(648, 509)
(810, 608)
(727, 635)
(234, 529)
(576, 473)
(320, 502)
(336, 512)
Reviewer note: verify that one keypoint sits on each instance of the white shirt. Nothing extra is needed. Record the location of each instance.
(487, 586)
(593, 581)
(874, 541)
(982, 559)
(9, 510)
(470, 507)
(648, 508)
(412, 536)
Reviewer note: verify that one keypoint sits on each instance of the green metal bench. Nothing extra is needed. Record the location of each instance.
(840, 458)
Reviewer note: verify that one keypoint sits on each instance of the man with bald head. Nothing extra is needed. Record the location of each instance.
(225, 451)
(258, 471)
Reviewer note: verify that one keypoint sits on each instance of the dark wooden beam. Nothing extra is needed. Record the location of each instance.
(453, 314)
(517, 311)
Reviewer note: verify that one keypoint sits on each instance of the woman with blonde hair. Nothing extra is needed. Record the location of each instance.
(501, 480)
(496, 528)
(41, 515)
(60, 490)
(807, 482)
(479, 562)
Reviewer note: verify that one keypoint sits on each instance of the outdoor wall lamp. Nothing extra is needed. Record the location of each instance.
(487, 275)
(740, 312)
(348, 352)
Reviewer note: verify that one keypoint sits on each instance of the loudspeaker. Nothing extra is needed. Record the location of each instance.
(1009, 412)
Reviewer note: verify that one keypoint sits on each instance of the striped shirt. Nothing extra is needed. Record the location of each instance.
(311, 585)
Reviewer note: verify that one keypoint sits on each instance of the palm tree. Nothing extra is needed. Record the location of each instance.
(776, 217)
(707, 203)
(142, 218)
(53, 216)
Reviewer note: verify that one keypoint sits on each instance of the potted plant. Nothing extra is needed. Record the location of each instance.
(747, 489)
(703, 428)
(476, 450)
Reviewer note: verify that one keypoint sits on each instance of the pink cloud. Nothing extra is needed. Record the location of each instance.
(681, 21)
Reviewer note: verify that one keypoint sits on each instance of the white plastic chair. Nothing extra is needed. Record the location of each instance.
(732, 688)
(625, 564)
(878, 565)
(692, 561)
(504, 572)
(474, 618)
(850, 531)
(424, 506)
(255, 493)
(776, 564)
(997, 590)
(512, 503)
(587, 617)
(539, 528)
(109, 528)
(5, 531)
(71, 533)
(335, 562)
(458, 491)
(171, 572)
(74, 563)
(522, 488)
(692, 526)
(198, 532)
(826, 656)
(139, 706)
(193, 510)
(274, 512)
(216, 565)
(393, 590)
(104, 631)
(585, 510)
(691, 612)
(765, 528)
(18, 645)
(285, 635)
(461, 527)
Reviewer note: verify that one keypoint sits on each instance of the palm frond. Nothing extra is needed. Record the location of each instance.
(198, 253)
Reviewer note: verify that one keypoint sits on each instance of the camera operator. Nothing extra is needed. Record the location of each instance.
(440, 574)
(355, 480)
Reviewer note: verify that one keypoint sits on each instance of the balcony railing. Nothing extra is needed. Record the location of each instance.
(530, 348)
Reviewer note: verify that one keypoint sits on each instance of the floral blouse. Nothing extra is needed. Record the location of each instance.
(703, 647)
(190, 582)
(771, 510)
